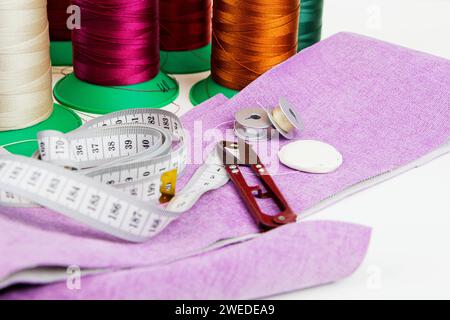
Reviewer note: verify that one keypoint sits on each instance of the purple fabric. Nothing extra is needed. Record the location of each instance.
(290, 258)
(381, 105)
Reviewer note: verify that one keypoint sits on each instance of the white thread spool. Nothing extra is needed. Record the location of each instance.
(25, 67)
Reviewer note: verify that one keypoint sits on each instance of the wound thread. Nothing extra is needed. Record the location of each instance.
(251, 37)
(25, 69)
(185, 24)
(57, 17)
(118, 43)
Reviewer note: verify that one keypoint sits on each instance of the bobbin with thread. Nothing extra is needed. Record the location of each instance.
(286, 119)
(253, 124)
(259, 124)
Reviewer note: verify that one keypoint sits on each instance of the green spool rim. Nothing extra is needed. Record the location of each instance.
(61, 53)
(185, 62)
(83, 96)
(207, 89)
(23, 142)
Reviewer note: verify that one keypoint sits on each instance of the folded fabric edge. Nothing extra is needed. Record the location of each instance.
(366, 184)
(294, 257)
(44, 275)
(41, 276)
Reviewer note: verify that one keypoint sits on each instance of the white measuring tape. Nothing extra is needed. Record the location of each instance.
(211, 176)
(79, 197)
(120, 159)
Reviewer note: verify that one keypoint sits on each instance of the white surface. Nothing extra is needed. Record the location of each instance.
(410, 215)
(310, 156)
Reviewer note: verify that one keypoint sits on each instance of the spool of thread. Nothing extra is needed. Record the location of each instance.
(57, 17)
(60, 35)
(185, 35)
(116, 59)
(286, 119)
(185, 24)
(25, 69)
(253, 124)
(118, 42)
(310, 29)
(249, 38)
(282, 121)
(26, 102)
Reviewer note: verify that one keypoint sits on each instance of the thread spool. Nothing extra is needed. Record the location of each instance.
(253, 124)
(116, 59)
(185, 36)
(286, 119)
(60, 35)
(249, 38)
(26, 104)
(310, 29)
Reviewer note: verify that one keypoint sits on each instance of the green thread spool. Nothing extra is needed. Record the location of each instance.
(310, 31)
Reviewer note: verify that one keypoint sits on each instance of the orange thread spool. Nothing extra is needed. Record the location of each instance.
(250, 37)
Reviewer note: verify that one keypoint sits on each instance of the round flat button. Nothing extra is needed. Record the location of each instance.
(311, 156)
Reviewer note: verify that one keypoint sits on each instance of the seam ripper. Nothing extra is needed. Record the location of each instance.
(237, 154)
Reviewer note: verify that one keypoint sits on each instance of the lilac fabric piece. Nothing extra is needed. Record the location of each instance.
(289, 258)
(381, 105)
(39, 238)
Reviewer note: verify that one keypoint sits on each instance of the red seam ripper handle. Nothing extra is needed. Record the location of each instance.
(286, 214)
(248, 194)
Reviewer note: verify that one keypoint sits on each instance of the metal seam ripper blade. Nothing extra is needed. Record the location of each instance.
(248, 157)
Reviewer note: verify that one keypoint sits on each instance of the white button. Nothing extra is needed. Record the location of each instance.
(311, 156)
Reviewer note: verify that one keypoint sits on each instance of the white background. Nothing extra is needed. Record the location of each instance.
(409, 256)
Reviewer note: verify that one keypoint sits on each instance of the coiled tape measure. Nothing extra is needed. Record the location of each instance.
(123, 163)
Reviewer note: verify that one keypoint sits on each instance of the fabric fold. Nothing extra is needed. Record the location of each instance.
(294, 257)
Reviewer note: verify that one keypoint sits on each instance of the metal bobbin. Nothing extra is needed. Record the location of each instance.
(286, 119)
(253, 124)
